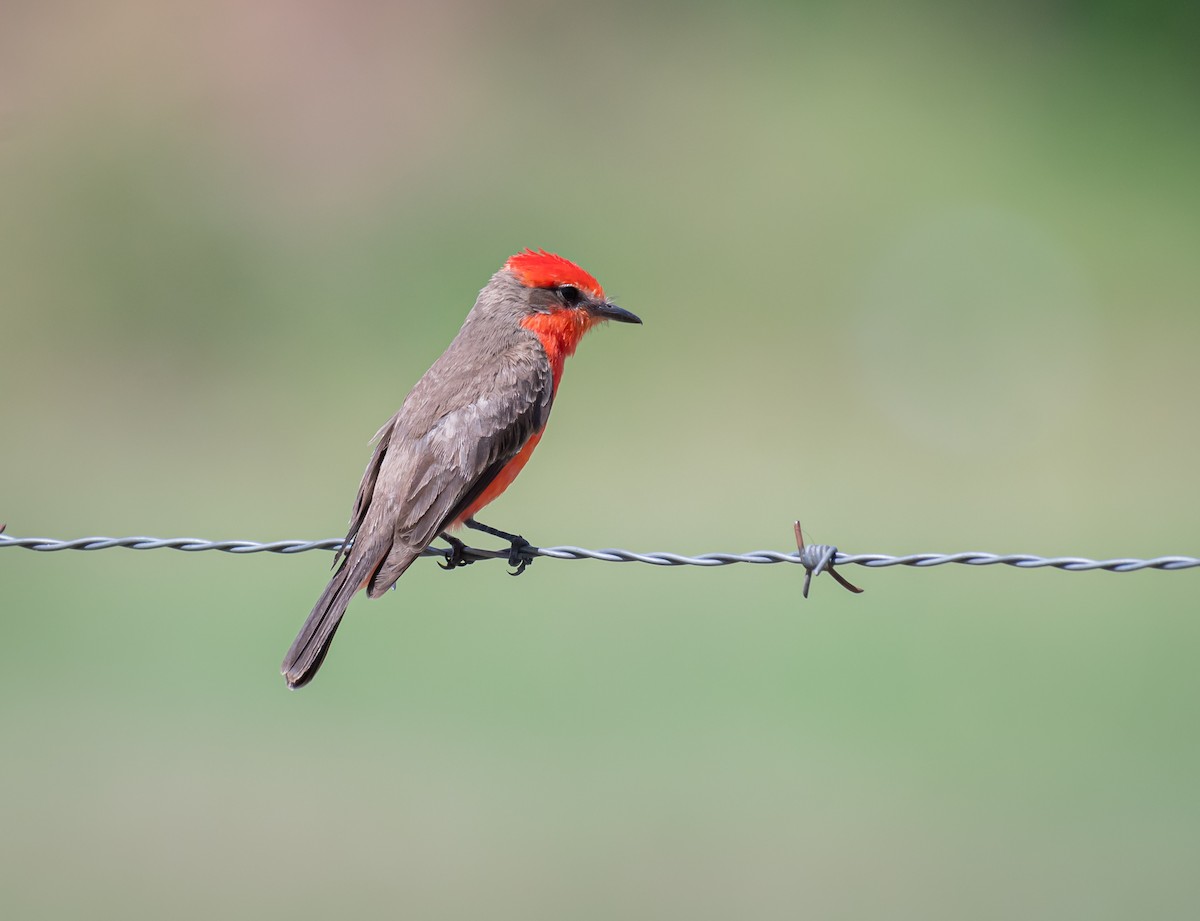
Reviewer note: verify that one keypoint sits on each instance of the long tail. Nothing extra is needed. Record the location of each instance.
(312, 643)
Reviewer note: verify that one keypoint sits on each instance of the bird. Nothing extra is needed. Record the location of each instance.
(461, 436)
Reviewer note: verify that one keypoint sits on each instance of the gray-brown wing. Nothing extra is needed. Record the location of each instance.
(427, 470)
(366, 489)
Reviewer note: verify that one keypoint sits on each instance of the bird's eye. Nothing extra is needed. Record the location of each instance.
(570, 294)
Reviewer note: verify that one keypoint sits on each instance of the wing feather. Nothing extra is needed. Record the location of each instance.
(423, 477)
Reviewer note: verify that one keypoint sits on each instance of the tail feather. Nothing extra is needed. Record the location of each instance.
(312, 642)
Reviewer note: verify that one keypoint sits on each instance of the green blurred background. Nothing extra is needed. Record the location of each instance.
(924, 279)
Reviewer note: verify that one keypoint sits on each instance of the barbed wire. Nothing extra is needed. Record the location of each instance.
(658, 558)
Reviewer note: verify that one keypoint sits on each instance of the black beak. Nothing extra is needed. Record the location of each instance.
(606, 311)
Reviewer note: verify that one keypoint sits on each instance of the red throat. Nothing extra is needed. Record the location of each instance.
(559, 333)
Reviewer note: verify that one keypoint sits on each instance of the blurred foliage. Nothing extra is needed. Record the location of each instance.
(922, 276)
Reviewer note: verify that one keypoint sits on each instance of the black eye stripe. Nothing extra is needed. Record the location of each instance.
(570, 294)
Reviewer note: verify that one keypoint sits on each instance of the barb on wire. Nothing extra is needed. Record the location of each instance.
(871, 560)
(819, 558)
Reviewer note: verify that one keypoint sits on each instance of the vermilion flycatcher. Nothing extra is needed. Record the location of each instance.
(462, 436)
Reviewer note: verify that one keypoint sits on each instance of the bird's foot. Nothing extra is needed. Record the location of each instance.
(520, 554)
(458, 553)
(520, 551)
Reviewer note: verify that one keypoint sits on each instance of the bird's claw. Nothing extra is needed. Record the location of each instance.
(520, 551)
(520, 555)
(457, 556)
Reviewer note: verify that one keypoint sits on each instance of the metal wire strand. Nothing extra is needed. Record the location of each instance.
(872, 560)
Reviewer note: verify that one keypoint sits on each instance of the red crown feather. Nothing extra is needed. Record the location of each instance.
(541, 269)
